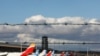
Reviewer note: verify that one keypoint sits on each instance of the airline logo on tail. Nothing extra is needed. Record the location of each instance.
(29, 50)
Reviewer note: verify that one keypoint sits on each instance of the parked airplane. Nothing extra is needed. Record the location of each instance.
(27, 52)
(30, 51)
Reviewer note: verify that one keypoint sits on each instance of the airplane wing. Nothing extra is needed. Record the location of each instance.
(3, 54)
(14, 54)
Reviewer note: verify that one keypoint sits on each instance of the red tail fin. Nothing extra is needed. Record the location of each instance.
(29, 50)
(49, 53)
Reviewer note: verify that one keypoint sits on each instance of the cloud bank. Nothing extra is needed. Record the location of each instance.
(67, 32)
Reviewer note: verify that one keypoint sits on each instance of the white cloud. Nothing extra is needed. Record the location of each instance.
(37, 19)
(67, 32)
(92, 29)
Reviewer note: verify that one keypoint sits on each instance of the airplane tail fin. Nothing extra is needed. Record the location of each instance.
(53, 53)
(36, 53)
(62, 54)
(49, 53)
(43, 53)
(29, 50)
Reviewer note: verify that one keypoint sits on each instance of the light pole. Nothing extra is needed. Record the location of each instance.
(87, 52)
(21, 46)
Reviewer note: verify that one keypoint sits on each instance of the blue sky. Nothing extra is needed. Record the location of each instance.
(16, 11)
